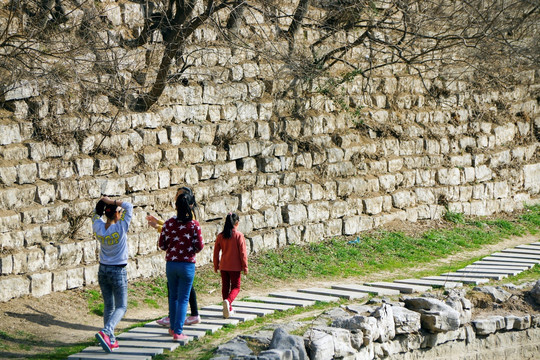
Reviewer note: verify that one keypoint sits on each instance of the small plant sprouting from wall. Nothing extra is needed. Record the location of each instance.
(335, 90)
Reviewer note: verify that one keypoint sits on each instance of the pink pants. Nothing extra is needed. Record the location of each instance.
(230, 285)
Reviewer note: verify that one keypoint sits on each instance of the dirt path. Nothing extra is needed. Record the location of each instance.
(62, 319)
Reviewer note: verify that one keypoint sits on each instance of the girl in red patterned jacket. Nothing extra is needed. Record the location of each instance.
(181, 238)
(232, 245)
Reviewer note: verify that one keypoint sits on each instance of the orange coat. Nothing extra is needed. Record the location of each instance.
(233, 252)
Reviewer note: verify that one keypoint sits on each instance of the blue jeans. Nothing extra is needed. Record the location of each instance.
(180, 278)
(113, 284)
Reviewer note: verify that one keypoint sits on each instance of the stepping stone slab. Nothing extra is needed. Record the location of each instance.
(529, 247)
(171, 345)
(153, 333)
(402, 288)
(503, 264)
(366, 289)
(535, 254)
(350, 295)
(511, 260)
(221, 322)
(126, 351)
(519, 257)
(203, 328)
(477, 275)
(433, 283)
(109, 356)
(283, 301)
(240, 310)
(305, 296)
(219, 315)
(260, 305)
(465, 280)
(478, 270)
(496, 267)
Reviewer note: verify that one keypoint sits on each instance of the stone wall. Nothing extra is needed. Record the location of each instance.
(230, 133)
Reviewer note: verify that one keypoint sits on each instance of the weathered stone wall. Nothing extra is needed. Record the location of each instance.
(228, 132)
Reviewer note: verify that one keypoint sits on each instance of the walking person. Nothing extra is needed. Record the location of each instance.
(233, 260)
(113, 257)
(181, 239)
(194, 318)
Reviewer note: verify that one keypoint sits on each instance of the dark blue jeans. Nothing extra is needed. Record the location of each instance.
(113, 284)
(180, 278)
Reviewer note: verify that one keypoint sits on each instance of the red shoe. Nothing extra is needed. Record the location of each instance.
(104, 341)
(114, 345)
(179, 337)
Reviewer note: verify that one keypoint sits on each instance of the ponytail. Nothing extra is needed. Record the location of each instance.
(183, 210)
(230, 221)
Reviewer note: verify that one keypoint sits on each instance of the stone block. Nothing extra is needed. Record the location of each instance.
(269, 164)
(35, 260)
(14, 152)
(220, 206)
(531, 178)
(90, 275)
(373, 206)
(127, 162)
(6, 264)
(313, 233)
(8, 174)
(483, 173)
(294, 214)
(388, 182)
(450, 176)
(403, 199)
(191, 155)
(45, 192)
(9, 220)
(224, 169)
(70, 254)
(318, 211)
(10, 133)
(13, 287)
(67, 189)
(89, 251)
(59, 281)
(40, 284)
(75, 278)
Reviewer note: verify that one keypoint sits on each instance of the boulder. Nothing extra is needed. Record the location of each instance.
(436, 316)
(281, 340)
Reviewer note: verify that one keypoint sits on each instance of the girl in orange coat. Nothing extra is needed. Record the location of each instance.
(232, 245)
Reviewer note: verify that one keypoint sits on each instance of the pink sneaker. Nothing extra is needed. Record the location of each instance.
(104, 341)
(164, 321)
(192, 320)
(114, 345)
(179, 337)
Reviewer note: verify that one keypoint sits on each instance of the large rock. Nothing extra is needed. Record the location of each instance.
(405, 321)
(436, 316)
(235, 347)
(497, 293)
(319, 344)
(341, 339)
(535, 292)
(281, 340)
